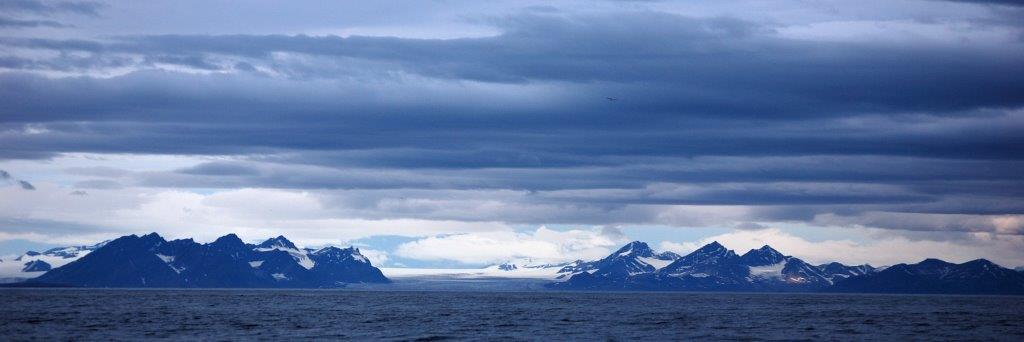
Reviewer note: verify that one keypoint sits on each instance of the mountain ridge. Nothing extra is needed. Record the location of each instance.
(228, 262)
(713, 267)
(151, 261)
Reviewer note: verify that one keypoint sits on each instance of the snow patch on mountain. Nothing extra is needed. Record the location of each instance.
(773, 271)
(300, 256)
(166, 258)
(656, 262)
(281, 243)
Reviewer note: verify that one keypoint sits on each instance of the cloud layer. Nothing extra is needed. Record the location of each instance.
(897, 116)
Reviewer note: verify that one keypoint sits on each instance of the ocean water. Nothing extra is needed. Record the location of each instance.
(74, 314)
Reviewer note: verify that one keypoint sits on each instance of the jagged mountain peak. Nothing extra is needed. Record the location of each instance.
(712, 249)
(668, 255)
(638, 250)
(280, 241)
(228, 240)
(767, 249)
(231, 245)
(711, 254)
(150, 240)
(335, 254)
(635, 248)
(714, 246)
(634, 258)
(763, 256)
(328, 250)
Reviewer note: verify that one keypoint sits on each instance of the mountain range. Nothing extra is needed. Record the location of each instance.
(715, 268)
(151, 261)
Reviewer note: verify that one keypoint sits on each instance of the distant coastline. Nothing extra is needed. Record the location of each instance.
(151, 262)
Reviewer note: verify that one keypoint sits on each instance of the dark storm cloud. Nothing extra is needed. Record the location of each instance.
(992, 2)
(445, 135)
(958, 176)
(90, 8)
(709, 112)
(710, 67)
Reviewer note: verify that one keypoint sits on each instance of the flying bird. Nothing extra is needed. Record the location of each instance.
(611, 99)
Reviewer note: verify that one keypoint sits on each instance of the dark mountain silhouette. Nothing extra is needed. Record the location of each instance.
(716, 268)
(228, 262)
(936, 276)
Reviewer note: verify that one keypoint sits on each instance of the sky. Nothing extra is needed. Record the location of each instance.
(465, 133)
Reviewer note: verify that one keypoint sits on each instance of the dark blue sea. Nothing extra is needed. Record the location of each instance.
(67, 314)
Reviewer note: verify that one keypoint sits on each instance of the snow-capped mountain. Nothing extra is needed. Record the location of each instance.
(280, 243)
(708, 268)
(151, 261)
(33, 264)
(343, 265)
(716, 268)
(712, 254)
(73, 252)
(763, 256)
(634, 258)
(797, 273)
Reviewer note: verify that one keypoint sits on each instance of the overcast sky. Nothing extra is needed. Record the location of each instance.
(450, 133)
